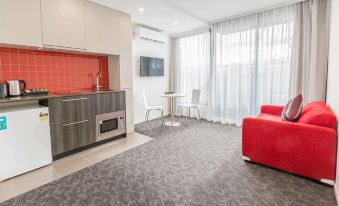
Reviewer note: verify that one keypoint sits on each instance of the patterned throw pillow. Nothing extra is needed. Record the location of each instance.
(292, 110)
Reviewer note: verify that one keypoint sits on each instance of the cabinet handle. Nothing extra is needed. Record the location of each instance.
(79, 122)
(72, 100)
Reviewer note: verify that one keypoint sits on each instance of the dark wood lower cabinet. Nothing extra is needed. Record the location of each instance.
(69, 136)
(66, 109)
(73, 122)
(107, 103)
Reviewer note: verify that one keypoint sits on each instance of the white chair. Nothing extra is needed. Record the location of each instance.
(195, 102)
(149, 108)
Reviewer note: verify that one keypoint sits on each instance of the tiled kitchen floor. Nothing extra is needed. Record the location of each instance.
(60, 168)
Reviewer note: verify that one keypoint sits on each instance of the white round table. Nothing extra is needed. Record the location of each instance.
(172, 123)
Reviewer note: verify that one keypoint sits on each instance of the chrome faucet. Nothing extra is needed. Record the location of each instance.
(98, 78)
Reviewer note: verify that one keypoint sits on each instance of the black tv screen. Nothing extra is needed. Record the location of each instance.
(150, 66)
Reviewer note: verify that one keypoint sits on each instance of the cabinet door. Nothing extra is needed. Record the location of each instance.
(125, 39)
(102, 104)
(70, 136)
(20, 22)
(102, 29)
(118, 101)
(111, 102)
(63, 23)
(69, 109)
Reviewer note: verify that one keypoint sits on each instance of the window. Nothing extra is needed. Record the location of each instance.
(194, 62)
(250, 64)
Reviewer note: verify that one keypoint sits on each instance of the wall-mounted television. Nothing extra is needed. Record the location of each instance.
(150, 66)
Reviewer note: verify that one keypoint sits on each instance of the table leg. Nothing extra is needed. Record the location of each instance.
(172, 110)
(172, 123)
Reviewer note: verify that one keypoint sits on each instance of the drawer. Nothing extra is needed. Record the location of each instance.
(69, 109)
(68, 136)
(107, 103)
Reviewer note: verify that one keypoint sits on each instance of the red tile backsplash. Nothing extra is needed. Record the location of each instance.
(55, 71)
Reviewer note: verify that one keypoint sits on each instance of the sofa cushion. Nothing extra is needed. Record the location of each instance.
(317, 113)
(292, 110)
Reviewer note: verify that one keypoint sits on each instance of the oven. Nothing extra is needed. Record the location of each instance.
(110, 125)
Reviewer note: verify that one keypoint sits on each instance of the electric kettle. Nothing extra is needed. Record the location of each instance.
(16, 87)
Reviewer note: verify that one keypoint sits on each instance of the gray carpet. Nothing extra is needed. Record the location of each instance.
(195, 164)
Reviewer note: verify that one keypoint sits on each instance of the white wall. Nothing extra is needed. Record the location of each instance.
(153, 86)
(333, 73)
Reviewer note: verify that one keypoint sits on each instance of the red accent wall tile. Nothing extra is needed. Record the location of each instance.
(55, 71)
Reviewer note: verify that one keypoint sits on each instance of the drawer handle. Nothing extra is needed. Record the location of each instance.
(73, 123)
(72, 100)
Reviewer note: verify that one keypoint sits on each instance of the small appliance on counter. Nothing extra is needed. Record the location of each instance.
(25, 141)
(3, 90)
(16, 87)
(34, 92)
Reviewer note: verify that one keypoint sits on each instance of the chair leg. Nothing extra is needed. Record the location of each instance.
(147, 114)
(199, 114)
(180, 113)
(162, 117)
(146, 117)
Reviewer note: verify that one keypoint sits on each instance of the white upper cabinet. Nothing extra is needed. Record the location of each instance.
(125, 40)
(78, 25)
(20, 22)
(63, 23)
(102, 29)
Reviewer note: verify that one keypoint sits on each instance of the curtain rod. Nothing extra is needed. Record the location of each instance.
(191, 32)
(257, 11)
(205, 29)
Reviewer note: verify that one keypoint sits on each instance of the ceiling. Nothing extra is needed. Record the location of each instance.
(189, 14)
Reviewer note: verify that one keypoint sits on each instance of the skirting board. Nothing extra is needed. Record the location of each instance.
(336, 192)
(151, 118)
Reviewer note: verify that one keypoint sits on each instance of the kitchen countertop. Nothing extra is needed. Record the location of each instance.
(54, 95)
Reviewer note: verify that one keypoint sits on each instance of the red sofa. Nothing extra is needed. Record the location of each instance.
(306, 147)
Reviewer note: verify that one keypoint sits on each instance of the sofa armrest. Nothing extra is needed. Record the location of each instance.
(272, 109)
(303, 149)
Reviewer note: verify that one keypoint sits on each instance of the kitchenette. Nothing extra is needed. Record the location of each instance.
(65, 80)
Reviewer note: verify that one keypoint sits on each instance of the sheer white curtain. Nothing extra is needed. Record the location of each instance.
(251, 65)
(192, 66)
(310, 51)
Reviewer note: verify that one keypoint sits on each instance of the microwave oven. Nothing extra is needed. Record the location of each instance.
(110, 125)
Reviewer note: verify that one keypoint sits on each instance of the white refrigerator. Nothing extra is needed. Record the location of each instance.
(25, 142)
